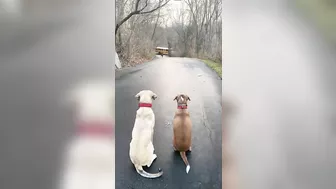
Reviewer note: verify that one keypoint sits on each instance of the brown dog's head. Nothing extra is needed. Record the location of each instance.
(182, 99)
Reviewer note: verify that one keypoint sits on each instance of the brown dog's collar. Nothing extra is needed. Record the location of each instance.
(147, 105)
(95, 128)
(182, 106)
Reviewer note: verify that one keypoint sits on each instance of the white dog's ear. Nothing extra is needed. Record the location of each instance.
(137, 96)
(154, 96)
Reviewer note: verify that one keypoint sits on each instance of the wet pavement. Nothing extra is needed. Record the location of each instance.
(280, 73)
(167, 77)
(45, 48)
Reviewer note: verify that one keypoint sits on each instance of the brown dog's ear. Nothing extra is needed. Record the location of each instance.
(175, 98)
(188, 98)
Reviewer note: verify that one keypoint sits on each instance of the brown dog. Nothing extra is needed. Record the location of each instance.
(182, 128)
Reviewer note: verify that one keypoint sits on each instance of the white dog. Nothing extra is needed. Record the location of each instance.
(89, 162)
(141, 146)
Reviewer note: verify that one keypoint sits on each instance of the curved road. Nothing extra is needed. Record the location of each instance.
(167, 77)
(280, 74)
(46, 47)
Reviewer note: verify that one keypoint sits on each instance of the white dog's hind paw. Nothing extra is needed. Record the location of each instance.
(153, 158)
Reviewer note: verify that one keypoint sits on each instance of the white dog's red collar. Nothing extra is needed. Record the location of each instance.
(182, 107)
(147, 105)
(95, 128)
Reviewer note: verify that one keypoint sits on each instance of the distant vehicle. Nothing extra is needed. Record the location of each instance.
(162, 51)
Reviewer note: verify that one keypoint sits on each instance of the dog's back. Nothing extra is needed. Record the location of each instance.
(141, 147)
(89, 162)
(90, 154)
(141, 133)
(182, 130)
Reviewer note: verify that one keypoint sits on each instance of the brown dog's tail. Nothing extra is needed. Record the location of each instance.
(184, 157)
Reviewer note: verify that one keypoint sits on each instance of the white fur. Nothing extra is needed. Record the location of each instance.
(188, 169)
(141, 146)
(89, 162)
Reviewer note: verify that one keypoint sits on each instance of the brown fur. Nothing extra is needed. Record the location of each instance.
(182, 128)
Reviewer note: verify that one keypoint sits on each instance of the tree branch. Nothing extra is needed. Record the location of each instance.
(138, 11)
(144, 6)
(158, 7)
(125, 19)
(137, 5)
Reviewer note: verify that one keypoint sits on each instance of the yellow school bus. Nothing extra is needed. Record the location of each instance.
(161, 51)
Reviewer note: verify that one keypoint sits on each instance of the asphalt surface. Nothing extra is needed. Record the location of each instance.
(280, 73)
(46, 47)
(167, 77)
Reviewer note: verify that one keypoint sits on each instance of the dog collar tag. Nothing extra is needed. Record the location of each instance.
(147, 105)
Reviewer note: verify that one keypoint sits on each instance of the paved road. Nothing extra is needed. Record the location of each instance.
(45, 48)
(167, 77)
(281, 75)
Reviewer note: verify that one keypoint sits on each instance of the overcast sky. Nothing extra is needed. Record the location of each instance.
(172, 10)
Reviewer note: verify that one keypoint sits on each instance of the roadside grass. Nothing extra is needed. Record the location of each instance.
(217, 67)
(323, 14)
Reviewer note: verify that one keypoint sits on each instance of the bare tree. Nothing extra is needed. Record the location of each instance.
(156, 23)
(194, 30)
(198, 12)
(137, 35)
(198, 28)
(120, 10)
(184, 32)
(145, 9)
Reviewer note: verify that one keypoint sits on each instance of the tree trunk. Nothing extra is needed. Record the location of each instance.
(157, 20)
(119, 39)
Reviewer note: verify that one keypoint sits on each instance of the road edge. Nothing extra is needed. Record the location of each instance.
(220, 76)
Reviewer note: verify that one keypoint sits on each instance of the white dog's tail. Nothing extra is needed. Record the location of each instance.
(184, 157)
(143, 173)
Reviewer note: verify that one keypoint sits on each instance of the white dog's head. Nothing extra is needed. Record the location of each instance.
(146, 96)
(94, 101)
